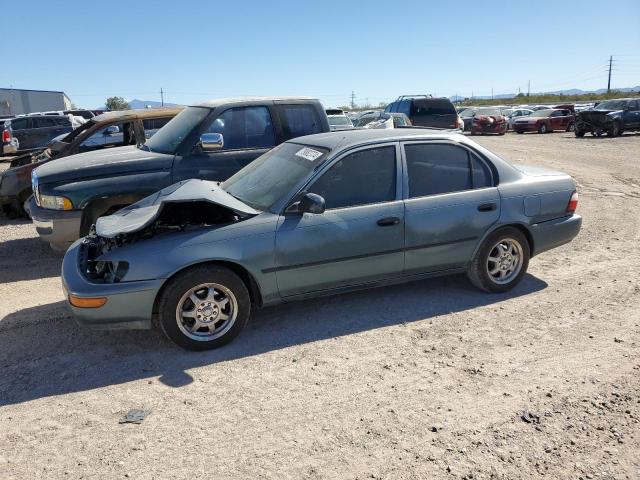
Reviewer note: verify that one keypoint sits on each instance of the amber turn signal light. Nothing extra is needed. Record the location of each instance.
(87, 302)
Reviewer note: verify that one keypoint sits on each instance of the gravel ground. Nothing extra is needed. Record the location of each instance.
(427, 380)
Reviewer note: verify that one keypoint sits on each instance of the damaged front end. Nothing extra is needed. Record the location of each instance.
(185, 206)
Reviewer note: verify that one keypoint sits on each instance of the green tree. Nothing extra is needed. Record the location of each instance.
(117, 103)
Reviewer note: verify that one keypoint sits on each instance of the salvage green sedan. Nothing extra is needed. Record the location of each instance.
(317, 215)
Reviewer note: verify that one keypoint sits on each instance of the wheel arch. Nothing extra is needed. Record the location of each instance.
(98, 206)
(245, 275)
(520, 226)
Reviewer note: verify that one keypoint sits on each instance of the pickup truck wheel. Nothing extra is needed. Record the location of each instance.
(519, 131)
(614, 131)
(579, 133)
(501, 261)
(204, 307)
(542, 128)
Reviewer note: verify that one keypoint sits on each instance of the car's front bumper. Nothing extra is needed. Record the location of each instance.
(129, 304)
(553, 233)
(525, 127)
(58, 227)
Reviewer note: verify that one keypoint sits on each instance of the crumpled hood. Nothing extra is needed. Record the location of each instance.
(141, 214)
(109, 161)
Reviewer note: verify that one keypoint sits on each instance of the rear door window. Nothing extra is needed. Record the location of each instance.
(299, 120)
(245, 127)
(435, 169)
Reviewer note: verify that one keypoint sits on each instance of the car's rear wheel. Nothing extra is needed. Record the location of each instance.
(542, 128)
(501, 261)
(571, 127)
(204, 307)
(578, 133)
(519, 131)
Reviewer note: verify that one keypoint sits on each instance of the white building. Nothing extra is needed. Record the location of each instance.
(15, 101)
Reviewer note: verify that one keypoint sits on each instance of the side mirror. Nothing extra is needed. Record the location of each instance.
(308, 203)
(111, 130)
(211, 142)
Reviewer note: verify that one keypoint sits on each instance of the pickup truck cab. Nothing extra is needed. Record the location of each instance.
(210, 141)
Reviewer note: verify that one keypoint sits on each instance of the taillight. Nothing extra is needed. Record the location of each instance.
(6, 136)
(457, 123)
(573, 203)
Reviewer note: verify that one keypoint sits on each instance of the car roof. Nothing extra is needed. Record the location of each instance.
(355, 137)
(141, 113)
(243, 100)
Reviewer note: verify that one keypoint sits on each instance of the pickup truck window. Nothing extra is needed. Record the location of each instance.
(247, 127)
(173, 133)
(299, 120)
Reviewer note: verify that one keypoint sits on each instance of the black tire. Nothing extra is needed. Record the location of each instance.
(519, 132)
(543, 128)
(614, 131)
(181, 284)
(578, 133)
(478, 271)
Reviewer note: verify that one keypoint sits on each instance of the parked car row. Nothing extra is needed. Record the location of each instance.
(611, 117)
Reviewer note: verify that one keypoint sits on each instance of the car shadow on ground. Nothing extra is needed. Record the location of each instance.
(28, 259)
(44, 353)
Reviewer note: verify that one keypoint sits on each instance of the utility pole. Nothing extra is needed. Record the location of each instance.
(353, 99)
(491, 93)
(609, 82)
(161, 97)
(528, 88)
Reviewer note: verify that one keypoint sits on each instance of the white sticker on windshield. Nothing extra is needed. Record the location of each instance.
(308, 153)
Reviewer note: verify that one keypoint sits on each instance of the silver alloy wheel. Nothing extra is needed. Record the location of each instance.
(505, 261)
(206, 312)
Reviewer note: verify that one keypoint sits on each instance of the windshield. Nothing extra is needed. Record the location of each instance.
(338, 120)
(273, 175)
(612, 105)
(542, 113)
(489, 111)
(169, 137)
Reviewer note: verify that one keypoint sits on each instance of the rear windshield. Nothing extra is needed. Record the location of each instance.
(468, 112)
(338, 120)
(433, 106)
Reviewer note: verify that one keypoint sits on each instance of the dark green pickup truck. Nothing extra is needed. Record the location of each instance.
(209, 141)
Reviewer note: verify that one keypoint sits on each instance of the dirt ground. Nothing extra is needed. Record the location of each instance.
(427, 380)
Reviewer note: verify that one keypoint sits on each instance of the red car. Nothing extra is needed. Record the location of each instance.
(488, 120)
(544, 121)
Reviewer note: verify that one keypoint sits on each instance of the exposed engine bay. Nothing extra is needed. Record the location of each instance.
(188, 205)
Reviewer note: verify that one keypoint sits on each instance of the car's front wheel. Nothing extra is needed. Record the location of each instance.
(542, 128)
(204, 307)
(501, 261)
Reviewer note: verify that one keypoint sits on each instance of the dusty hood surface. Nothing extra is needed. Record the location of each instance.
(142, 214)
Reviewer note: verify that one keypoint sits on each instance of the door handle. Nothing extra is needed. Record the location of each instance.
(487, 207)
(388, 221)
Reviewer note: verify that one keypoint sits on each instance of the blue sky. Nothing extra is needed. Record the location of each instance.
(199, 49)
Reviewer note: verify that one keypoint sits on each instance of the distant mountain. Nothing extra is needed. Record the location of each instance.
(135, 103)
(571, 91)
